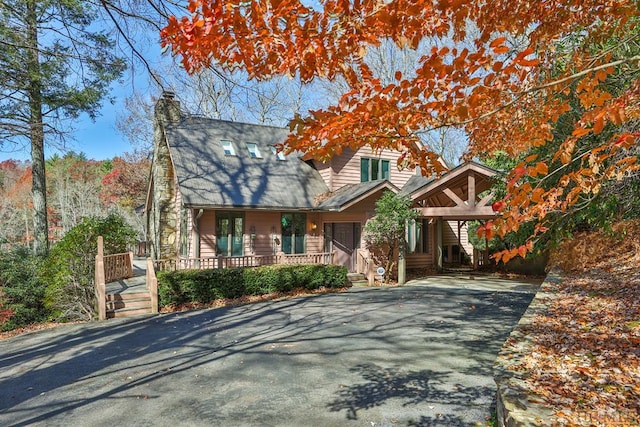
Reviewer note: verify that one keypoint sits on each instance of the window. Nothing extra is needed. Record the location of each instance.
(418, 236)
(293, 232)
(279, 155)
(229, 233)
(254, 153)
(227, 146)
(373, 169)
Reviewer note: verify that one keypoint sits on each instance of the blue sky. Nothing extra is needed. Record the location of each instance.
(99, 140)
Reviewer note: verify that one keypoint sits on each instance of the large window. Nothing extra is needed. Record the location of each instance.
(373, 169)
(229, 233)
(418, 236)
(293, 232)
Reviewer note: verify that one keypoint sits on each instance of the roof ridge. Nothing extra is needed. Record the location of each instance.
(235, 122)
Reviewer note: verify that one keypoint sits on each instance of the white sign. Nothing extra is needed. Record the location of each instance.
(380, 271)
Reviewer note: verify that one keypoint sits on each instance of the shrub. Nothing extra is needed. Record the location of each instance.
(204, 286)
(22, 293)
(183, 286)
(69, 269)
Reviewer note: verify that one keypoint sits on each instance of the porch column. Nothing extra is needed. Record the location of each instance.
(439, 244)
(402, 264)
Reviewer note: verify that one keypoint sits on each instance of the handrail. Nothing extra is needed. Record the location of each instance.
(109, 268)
(100, 285)
(364, 265)
(152, 285)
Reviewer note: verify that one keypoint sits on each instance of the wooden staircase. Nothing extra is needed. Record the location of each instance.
(127, 304)
(357, 280)
(124, 286)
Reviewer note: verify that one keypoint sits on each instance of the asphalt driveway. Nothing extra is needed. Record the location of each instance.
(417, 355)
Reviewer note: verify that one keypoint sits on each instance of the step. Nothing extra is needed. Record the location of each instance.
(359, 283)
(125, 296)
(353, 277)
(126, 312)
(128, 303)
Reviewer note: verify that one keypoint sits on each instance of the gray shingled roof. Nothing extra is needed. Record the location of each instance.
(351, 192)
(414, 183)
(208, 178)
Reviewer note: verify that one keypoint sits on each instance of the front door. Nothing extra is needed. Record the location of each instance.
(229, 233)
(344, 238)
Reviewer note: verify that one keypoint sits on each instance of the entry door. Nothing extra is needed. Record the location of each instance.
(344, 238)
(229, 234)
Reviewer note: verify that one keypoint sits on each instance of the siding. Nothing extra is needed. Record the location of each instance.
(346, 167)
(266, 225)
(208, 234)
(450, 237)
(424, 260)
(325, 172)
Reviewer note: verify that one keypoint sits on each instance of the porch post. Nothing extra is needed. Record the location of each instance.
(402, 265)
(439, 244)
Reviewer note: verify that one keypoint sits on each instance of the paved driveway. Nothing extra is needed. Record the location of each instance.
(418, 355)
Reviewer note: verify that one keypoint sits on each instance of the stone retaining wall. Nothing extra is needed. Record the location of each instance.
(516, 405)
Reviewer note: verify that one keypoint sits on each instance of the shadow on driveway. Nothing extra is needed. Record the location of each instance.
(413, 355)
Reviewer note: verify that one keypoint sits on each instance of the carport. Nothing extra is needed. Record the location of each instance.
(462, 195)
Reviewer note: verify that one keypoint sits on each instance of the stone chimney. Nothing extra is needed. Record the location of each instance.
(168, 108)
(163, 216)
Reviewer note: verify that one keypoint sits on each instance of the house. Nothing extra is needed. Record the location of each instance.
(218, 189)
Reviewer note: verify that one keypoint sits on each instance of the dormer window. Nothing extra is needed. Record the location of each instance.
(254, 153)
(373, 169)
(227, 146)
(279, 155)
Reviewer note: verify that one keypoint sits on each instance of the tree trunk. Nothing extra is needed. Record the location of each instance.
(38, 189)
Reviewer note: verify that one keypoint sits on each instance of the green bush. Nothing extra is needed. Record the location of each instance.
(21, 291)
(184, 286)
(69, 269)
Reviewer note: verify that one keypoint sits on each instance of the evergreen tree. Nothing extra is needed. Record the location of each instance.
(385, 232)
(54, 66)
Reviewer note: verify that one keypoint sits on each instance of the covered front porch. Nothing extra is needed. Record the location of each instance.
(440, 233)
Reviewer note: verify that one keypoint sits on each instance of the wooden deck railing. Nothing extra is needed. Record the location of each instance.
(242, 261)
(109, 268)
(118, 266)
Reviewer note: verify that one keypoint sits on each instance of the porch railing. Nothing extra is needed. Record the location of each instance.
(118, 266)
(242, 261)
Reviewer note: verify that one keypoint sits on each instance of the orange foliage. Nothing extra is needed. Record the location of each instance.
(502, 89)
(585, 361)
